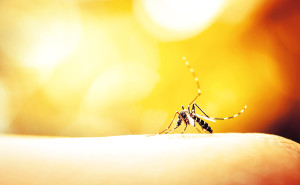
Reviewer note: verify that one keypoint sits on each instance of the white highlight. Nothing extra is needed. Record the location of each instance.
(192, 70)
(199, 91)
(183, 58)
(177, 19)
(186, 63)
(196, 79)
(191, 120)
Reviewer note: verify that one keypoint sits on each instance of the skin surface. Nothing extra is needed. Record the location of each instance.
(208, 159)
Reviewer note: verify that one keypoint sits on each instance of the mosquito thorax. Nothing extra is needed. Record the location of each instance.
(183, 113)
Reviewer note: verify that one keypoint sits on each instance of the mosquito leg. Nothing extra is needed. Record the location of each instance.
(172, 129)
(231, 116)
(195, 78)
(197, 129)
(184, 129)
(195, 99)
(178, 123)
(201, 110)
(170, 123)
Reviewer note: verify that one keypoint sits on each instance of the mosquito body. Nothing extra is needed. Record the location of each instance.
(189, 117)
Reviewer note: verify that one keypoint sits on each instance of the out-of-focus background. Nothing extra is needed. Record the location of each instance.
(114, 67)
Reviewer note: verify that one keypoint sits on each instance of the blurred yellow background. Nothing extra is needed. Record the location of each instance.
(114, 67)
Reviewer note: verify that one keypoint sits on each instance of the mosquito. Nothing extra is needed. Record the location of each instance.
(189, 117)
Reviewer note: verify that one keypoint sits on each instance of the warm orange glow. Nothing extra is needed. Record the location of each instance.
(98, 68)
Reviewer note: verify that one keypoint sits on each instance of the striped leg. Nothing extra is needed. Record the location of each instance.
(184, 129)
(193, 101)
(170, 123)
(172, 129)
(230, 117)
(195, 78)
(197, 129)
(178, 124)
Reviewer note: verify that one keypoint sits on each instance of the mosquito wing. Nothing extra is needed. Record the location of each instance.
(205, 118)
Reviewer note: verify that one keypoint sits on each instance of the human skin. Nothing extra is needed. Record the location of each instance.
(207, 159)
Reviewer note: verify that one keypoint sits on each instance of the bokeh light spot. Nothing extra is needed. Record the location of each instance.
(38, 34)
(179, 19)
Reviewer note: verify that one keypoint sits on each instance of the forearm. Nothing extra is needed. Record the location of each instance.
(161, 159)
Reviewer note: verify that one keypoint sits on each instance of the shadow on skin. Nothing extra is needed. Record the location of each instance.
(208, 159)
